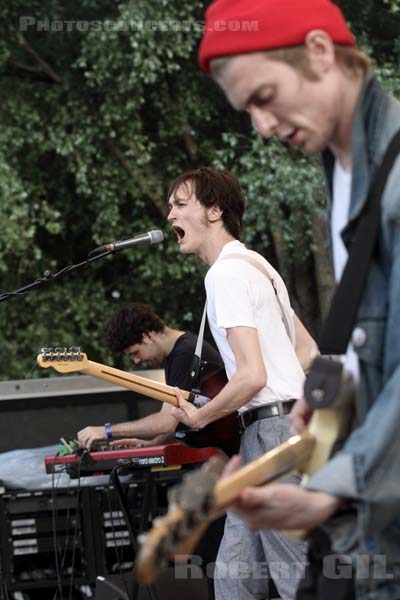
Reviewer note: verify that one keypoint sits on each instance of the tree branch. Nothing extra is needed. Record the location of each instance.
(190, 144)
(145, 175)
(24, 67)
(45, 67)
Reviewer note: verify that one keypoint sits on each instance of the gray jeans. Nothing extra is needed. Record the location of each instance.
(247, 560)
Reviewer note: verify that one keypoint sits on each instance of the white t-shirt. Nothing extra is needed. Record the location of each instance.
(239, 295)
(339, 219)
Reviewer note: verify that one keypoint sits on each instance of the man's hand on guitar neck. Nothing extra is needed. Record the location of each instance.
(187, 413)
(281, 505)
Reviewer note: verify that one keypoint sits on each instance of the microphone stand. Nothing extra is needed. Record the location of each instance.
(49, 276)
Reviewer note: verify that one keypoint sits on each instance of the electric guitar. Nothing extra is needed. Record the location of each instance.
(223, 433)
(203, 496)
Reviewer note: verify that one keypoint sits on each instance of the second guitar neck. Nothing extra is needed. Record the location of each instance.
(136, 383)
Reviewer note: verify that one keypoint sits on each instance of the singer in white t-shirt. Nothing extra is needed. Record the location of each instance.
(265, 349)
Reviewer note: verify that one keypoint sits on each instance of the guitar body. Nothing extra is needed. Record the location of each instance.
(224, 433)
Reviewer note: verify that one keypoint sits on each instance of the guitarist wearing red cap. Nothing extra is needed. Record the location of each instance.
(299, 75)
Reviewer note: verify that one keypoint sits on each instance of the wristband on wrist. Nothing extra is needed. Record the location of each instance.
(107, 427)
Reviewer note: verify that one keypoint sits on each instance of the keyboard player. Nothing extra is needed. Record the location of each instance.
(138, 331)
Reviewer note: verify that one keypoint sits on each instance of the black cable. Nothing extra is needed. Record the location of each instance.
(75, 534)
(53, 515)
(60, 564)
(115, 539)
(3, 589)
(151, 590)
(65, 549)
(31, 371)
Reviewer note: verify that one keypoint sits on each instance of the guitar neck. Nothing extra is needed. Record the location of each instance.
(178, 531)
(292, 455)
(173, 536)
(141, 385)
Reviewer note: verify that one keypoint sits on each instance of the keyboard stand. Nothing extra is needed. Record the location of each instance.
(144, 522)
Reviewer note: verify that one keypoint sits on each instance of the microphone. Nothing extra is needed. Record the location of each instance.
(151, 237)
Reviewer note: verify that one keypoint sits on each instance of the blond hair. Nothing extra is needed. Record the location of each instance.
(352, 60)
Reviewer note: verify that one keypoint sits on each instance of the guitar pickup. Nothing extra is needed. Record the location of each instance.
(72, 353)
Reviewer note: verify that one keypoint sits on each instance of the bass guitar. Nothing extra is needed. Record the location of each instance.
(204, 496)
(223, 433)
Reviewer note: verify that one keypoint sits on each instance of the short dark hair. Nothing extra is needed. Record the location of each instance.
(129, 324)
(216, 188)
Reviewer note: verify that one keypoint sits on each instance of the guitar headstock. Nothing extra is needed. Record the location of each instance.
(63, 360)
(191, 509)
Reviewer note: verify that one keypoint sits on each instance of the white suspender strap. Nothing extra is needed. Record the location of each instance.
(256, 264)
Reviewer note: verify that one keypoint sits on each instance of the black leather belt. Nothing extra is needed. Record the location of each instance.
(275, 409)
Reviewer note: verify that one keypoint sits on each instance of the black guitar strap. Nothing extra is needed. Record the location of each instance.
(195, 368)
(338, 326)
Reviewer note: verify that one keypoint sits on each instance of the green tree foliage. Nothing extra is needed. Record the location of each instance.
(98, 115)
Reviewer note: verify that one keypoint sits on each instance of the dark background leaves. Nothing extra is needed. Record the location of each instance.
(94, 127)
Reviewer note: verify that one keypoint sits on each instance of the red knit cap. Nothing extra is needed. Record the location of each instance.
(243, 26)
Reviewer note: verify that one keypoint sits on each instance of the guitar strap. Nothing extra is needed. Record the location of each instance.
(319, 388)
(195, 368)
(287, 320)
